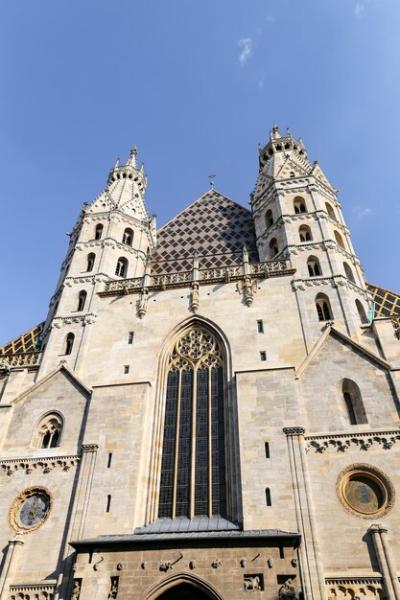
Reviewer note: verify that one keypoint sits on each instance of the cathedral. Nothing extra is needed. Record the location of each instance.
(210, 409)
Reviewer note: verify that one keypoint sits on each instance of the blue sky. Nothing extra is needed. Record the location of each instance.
(195, 84)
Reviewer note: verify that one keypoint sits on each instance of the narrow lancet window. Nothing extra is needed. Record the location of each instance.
(192, 479)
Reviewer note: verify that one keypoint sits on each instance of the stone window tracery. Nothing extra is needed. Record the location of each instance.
(193, 460)
(49, 431)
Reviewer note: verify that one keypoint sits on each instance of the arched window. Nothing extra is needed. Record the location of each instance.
(314, 267)
(81, 300)
(330, 211)
(122, 267)
(353, 401)
(90, 261)
(339, 239)
(127, 238)
(269, 218)
(323, 306)
(69, 343)
(49, 431)
(361, 312)
(299, 205)
(273, 248)
(193, 479)
(98, 232)
(349, 272)
(305, 234)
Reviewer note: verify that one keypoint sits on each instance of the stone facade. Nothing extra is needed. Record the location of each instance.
(294, 439)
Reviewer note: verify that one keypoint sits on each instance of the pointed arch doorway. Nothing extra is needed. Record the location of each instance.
(184, 591)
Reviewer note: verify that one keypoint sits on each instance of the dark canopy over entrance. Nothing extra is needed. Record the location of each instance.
(184, 591)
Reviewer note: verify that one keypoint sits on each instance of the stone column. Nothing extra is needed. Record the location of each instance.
(80, 509)
(311, 564)
(385, 561)
(10, 561)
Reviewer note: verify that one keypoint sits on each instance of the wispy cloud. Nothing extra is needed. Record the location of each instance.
(246, 50)
(361, 212)
(359, 9)
(361, 6)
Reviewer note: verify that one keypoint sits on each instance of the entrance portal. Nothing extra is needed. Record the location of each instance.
(184, 591)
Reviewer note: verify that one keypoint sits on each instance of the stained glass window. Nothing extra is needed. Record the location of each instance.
(193, 461)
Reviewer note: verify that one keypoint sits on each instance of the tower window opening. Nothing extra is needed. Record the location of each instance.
(323, 306)
(98, 232)
(81, 300)
(130, 337)
(260, 326)
(108, 505)
(193, 472)
(349, 272)
(122, 267)
(305, 233)
(330, 211)
(263, 355)
(109, 460)
(267, 452)
(273, 248)
(269, 218)
(354, 403)
(69, 343)
(49, 431)
(299, 205)
(126, 369)
(90, 261)
(339, 239)
(361, 312)
(314, 267)
(268, 501)
(127, 238)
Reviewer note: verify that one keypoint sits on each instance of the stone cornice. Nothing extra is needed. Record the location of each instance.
(109, 215)
(38, 464)
(334, 281)
(111, 243)
(86, 319)
(275, 268)
(362, 440)
(354, 580)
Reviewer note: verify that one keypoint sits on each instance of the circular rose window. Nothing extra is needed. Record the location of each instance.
(365, 490)
(30, 509)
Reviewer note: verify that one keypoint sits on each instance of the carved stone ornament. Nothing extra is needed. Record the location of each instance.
(41, 465)
(344, 442)
(76, 589)
(293, 430)
(287, 591)
(195, 298)
(142, 304)
(253, 583)
(368, 588)
(38, 591)
(114, 585)
(396, 326)
(247, 287)
(216, 563)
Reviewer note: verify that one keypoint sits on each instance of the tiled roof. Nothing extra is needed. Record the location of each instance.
(27, 342)
(214, 228)
(387, 303)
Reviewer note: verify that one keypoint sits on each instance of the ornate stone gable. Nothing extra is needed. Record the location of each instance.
(214, 228)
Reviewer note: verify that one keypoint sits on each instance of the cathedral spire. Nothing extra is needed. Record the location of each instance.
(125, 190)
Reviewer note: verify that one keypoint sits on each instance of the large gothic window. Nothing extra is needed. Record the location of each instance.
(193, 458)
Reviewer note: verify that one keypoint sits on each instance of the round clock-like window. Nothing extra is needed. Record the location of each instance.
(364, 494)
(30, 509)
(365, 490)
